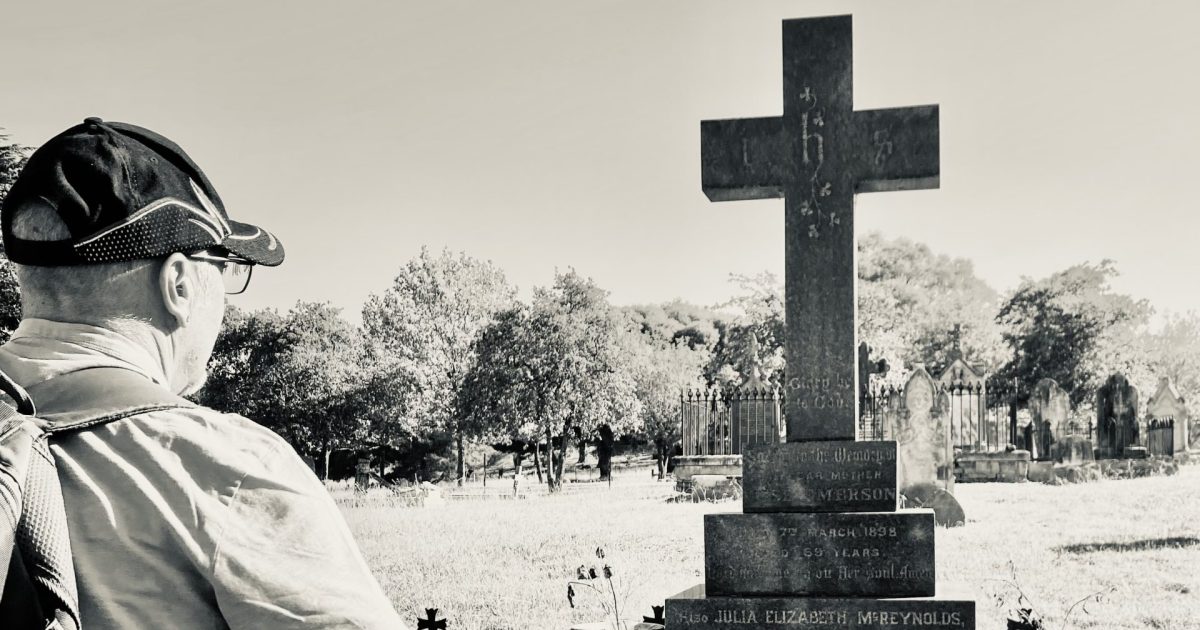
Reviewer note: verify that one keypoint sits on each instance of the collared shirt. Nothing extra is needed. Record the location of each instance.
(190, 518)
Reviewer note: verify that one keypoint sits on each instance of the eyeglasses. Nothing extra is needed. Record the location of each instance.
(235, 274)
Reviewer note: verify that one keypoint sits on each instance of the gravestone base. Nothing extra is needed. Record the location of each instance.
(1074, 449)
(1009, 466)
(696, 610)
(865, 554)
(1041, 472)
(710, 488)
(687, 466)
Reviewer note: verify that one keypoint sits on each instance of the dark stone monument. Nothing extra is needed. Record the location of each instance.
(821, 536)
(817, 156)
(1116, 417)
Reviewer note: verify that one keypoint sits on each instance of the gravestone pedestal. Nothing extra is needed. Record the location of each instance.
(820, 543)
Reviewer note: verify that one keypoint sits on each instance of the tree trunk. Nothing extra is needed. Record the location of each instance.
(537, 460)
(552, 480)
(582, 449)
(562, 455)
(459, 439)
(326, 453)
(660, 455)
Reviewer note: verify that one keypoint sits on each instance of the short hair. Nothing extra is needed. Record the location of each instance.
(58, 291)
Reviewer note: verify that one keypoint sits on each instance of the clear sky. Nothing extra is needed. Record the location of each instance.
(543, 134)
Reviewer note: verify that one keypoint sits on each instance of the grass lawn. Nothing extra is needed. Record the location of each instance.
(505, 564)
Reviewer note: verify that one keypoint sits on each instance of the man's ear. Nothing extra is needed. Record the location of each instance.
(177, 288)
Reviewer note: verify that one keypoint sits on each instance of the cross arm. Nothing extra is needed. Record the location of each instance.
(743, 158)
(897, 148)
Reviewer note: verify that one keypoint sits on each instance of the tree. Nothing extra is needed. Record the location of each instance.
(910, 300)
(662, 371)
(551, 368)
(1073, 328)
(756, 335)
(1174, 351)
(12, 159)
(426, 325)
(297, 374)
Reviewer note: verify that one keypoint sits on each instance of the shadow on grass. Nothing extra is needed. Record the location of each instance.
(1136, 545)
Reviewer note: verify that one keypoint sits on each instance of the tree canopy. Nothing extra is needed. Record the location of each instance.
(425, 327)
(1072, 327)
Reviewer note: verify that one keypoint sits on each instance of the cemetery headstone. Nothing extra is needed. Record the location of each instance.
(1050, 407)
(1168, 404)
(919, 449)
(925, 454)
(819, 555)
(362, 473)
(1117, 417)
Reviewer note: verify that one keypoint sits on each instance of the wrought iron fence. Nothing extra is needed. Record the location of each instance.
(1160, 436)
(723, 422)
(980, 416)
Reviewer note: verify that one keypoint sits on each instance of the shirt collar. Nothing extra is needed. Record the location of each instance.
(52, 348)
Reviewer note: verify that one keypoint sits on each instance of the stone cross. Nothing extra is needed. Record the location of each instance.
(817, 156)
(431, 622)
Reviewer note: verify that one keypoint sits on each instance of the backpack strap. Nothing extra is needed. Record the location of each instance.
(94, 396)
(37, 588)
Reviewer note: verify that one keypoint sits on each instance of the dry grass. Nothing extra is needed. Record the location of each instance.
(504, 564)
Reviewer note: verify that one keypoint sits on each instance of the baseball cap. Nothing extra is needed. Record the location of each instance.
(124, 193)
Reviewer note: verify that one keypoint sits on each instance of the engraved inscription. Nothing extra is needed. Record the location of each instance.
(820, 554)
(822, 477)
(822, 392)
(819, 613)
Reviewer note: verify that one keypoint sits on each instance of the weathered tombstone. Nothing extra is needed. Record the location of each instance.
(924, 453)
(1117, 417)
(1050, 407)
(811, 550)
(919, 452)
(362, 473)
(1166, 404)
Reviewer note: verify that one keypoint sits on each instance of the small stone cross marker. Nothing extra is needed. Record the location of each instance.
(431, 622)
(817, 156)
(658, 616)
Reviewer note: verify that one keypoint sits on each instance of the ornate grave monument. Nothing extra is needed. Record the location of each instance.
(820, 542)
(1167, 405)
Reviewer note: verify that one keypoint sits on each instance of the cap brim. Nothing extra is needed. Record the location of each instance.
(254, 244)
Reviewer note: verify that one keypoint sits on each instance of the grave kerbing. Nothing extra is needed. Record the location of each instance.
(808, 550)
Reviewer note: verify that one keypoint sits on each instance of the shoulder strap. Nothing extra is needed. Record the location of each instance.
(95, 396)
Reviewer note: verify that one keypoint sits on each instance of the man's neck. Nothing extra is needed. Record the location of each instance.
(124, 337)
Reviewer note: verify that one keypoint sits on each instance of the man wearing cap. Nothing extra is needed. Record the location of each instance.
(179, 516)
